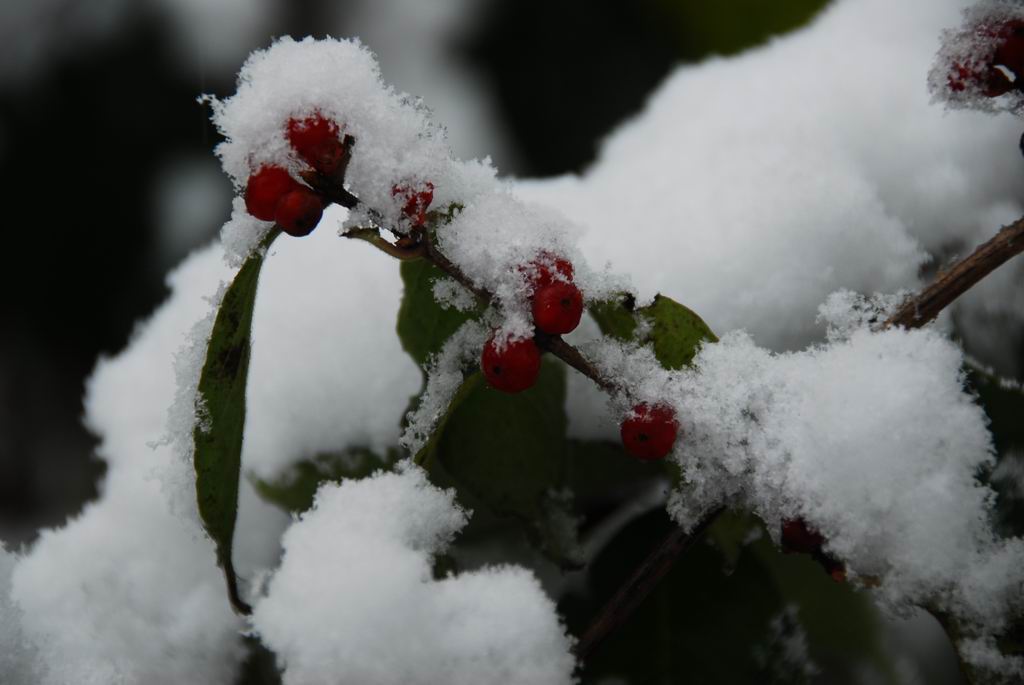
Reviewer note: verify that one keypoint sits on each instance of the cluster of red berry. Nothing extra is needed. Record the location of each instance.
(271, 194)
(650, 430)
(557, 308)
(799, 538)
(994, 76)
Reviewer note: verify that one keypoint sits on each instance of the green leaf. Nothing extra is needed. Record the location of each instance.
(508, 449)
(603, 476)
(842, 624)
(615, 317)
(677, 332)
(218, 436)
(700, 625)
(295, 490)
(423, 324)
(469, 385)
(710, 619)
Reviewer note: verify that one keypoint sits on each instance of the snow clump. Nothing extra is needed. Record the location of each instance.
(355, 598)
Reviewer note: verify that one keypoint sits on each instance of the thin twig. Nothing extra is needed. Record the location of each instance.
(955, 281)
(640, 584)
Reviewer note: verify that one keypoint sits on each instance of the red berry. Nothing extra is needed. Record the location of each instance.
(1010, 54)
(299, 212)
(650, 431)
(996, 83)
(265, 189)
(416, 201)
(546, 269)
(798, 538)
(317, 142)
(514, 367)
(557, 308)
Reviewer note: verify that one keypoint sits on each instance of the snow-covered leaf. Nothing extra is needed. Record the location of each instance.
(423, 324)
(675, 331)
(615, 317)
(218, 435)
(508, 450)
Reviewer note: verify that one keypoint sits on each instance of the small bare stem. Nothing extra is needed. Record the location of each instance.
(961, 277)
(640, 584)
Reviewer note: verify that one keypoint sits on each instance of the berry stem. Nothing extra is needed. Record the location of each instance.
(640, 584)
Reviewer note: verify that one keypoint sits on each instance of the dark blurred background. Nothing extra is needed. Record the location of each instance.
(109, 178)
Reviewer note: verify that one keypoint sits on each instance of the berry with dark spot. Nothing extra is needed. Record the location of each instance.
(557, 308)
(299, 212)
(650, 431)
(513, 367)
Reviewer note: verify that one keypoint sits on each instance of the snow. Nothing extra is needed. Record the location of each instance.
(397, 144)
(355, 600)
(786, 651)
(751, 188)
(127, 591)
(17, 659)
(873, 441)
(445, 375)
(451, 294)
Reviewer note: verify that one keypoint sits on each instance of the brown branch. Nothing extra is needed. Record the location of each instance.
(958, 279)
(640, 584)
(571, 356)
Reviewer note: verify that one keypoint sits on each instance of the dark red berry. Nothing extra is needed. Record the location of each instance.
(798, 538)
(317, 141)
(650, 431)
(557, 308)
(514, 367)
(416, 201)
(299, 212)
(546, 269)
(265, 189)
(996, 83)
(1010, 54)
